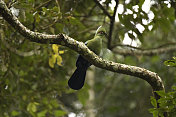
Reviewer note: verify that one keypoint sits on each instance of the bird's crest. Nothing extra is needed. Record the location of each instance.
(100, 29)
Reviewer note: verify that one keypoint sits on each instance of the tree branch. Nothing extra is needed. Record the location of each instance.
(152, 78)
(112, 20)
(43, 4)
(130, 50)
(104, 10)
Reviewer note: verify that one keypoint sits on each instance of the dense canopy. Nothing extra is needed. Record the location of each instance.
(34, 74)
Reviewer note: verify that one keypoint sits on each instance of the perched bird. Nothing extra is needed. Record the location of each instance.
(76, 81)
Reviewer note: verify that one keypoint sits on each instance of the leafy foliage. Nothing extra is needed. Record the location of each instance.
(166, 103)
(33, 77)
(171, 63)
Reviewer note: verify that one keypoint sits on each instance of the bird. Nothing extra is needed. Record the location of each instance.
(77, 79)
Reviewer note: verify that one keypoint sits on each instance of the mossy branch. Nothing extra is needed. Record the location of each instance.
(151, 77)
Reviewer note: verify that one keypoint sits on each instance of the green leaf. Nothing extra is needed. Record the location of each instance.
(52, 30)
(153, 101)
(59, 27)
(42, 113)
(163, 102)
(171, 63)
(120, 17)
(32, 106)
(161, 93)
(169, 12)
(31, 1)
(154, 111)
(29, 17)
(37, 17)
(54, 103)
(59, 113)
(44, 9)
(15, 113)
(56, 9)
(174, 58)
(174, 88)
(141, 2)
(165, 24)
(126, 21)
(83, 96)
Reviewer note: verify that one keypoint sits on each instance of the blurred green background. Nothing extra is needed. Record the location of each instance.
(33, 76)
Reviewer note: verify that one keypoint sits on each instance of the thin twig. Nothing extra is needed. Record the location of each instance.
(104, 10)
(130, 50)
(112, 20)
(138, 48)
(43, 4)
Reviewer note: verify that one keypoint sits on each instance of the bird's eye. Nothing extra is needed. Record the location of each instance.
(101, 32)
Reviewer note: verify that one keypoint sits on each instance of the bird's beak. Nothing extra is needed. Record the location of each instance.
(106, 35)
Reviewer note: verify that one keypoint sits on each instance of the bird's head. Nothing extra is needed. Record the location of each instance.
(101, 32)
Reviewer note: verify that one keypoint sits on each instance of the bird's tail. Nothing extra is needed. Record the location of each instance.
(76, 81)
